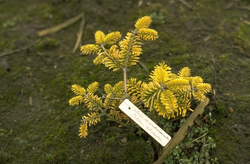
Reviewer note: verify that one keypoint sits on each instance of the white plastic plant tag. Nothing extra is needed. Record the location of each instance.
(144, 122)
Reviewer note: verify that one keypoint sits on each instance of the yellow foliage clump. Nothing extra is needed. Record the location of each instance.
(76, 100)
(78, 90)
(127, 51)
(167, 93)
(171, 94)
(143, 22)
(83, 130)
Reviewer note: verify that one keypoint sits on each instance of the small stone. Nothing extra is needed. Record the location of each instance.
(230, 110)
(124, 140)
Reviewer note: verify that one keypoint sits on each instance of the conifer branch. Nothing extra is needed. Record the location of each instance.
(115, 120)
(130, 48)
(116, 62)
(103, 111)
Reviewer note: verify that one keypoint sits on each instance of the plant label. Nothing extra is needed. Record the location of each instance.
(145, 122)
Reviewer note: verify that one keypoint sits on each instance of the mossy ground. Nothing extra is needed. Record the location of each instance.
(38, 126)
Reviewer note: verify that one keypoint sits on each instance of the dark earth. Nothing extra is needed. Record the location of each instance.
(37, 125)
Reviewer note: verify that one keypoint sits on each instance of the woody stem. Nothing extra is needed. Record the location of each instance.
(125, 81)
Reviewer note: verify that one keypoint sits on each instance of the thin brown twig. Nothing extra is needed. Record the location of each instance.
(225, 99)
(80, 33)
(200, 137)
(185, 3)
(59, 26)
(173, 17)
(112, 98)
(144, 66)
(244, 7)
(18, 50)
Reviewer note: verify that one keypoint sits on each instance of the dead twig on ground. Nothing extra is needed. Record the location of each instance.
(244, 7)
(173, 17)
(200, 137)
(225, 99)
(59, 26)
(202, 150)
(185, 3)
(18, 50)
(80, 33)
(144, 66)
